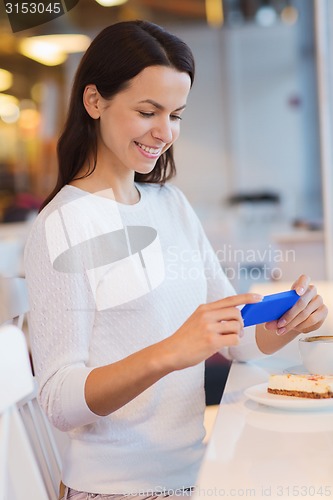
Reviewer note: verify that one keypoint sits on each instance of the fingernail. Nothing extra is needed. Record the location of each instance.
(281, 323)
(300, 290)
(280, 331)
(257, 296)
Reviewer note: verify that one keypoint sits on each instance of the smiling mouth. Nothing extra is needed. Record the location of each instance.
(148, 149)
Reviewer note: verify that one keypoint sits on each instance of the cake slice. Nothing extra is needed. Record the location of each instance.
(302, 386)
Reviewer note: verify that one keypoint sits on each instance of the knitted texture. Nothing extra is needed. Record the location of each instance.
(155, 440)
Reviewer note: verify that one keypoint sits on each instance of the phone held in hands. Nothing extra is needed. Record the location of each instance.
(272, 307)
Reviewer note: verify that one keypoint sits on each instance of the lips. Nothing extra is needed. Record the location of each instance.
(149, 149)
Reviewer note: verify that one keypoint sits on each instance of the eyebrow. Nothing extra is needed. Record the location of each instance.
(159, 106)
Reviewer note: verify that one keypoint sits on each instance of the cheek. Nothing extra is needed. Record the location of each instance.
(117, 136)
(119, 127)
(134, 130)
(106, 130)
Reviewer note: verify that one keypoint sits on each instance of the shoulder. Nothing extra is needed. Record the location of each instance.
(179, 201)
(46, 220)
(170, 203)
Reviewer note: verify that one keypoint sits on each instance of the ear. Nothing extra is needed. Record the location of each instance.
(91, 101)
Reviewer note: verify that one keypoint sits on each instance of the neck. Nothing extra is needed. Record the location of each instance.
(124, 189)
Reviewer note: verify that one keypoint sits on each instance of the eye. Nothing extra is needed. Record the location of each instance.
(175, 117)
(145, 114)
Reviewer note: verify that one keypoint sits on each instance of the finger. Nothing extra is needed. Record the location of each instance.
(236, 300)
(300, 305)
(292, 313)
(226, 314)
(228, 340)
(307, 318)
(301, 284)
(314, 321)
(229, 327)
(271, 325)
(210, 318)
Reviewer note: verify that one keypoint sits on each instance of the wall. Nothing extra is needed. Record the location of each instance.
(250, 126)
(202, 169)
(243, 129)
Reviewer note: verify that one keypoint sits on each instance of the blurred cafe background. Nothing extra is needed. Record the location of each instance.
(254, 156)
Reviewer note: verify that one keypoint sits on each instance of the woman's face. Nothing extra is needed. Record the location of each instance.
(141, 122)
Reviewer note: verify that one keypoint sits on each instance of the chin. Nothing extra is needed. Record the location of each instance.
(144, 170)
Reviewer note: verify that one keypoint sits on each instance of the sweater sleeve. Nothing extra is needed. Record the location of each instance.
(60, 320)
(218, 287)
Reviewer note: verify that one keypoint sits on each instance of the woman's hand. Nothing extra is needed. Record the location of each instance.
(306, 315)
(210, 328)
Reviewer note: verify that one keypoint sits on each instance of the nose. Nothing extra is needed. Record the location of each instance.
(163, 131)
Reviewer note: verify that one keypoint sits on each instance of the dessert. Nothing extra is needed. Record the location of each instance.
(302, 386)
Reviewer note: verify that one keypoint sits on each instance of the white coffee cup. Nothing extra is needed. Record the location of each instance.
(317, 354)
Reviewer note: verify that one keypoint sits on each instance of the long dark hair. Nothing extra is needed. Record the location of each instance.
(119, 53)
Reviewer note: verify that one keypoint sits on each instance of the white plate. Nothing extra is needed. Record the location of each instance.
(259, 394)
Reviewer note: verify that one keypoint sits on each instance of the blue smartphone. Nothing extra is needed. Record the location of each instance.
(272, 307)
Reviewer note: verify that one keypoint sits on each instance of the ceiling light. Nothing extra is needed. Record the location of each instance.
(10, 113)
(4, 98)
(27, 104)
(289, 15)
(6, 80)
(29, 119)
(214, 12)
(110, 3)
(37, 92)
(266, 16)
(52, 50)
(42, 52)
(9, 110)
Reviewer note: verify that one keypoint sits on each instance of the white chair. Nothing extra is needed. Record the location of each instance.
(30, 463)
(43, 443)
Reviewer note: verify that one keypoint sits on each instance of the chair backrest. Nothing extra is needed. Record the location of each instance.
(18, 472)
(30, 464)
(43, 444)
(16, 380)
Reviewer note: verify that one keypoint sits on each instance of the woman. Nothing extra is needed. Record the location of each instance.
(127, 297)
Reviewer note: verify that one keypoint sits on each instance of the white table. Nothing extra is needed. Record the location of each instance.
(256, 451)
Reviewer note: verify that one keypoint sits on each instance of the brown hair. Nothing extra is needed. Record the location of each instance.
(119, 53)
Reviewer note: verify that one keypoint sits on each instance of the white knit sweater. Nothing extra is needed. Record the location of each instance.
(91, 306)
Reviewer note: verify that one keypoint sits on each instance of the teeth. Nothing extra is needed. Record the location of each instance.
(152, 151)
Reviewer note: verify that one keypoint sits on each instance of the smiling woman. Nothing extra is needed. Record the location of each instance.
(137, 126)
(127, 298)
(104, 73)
